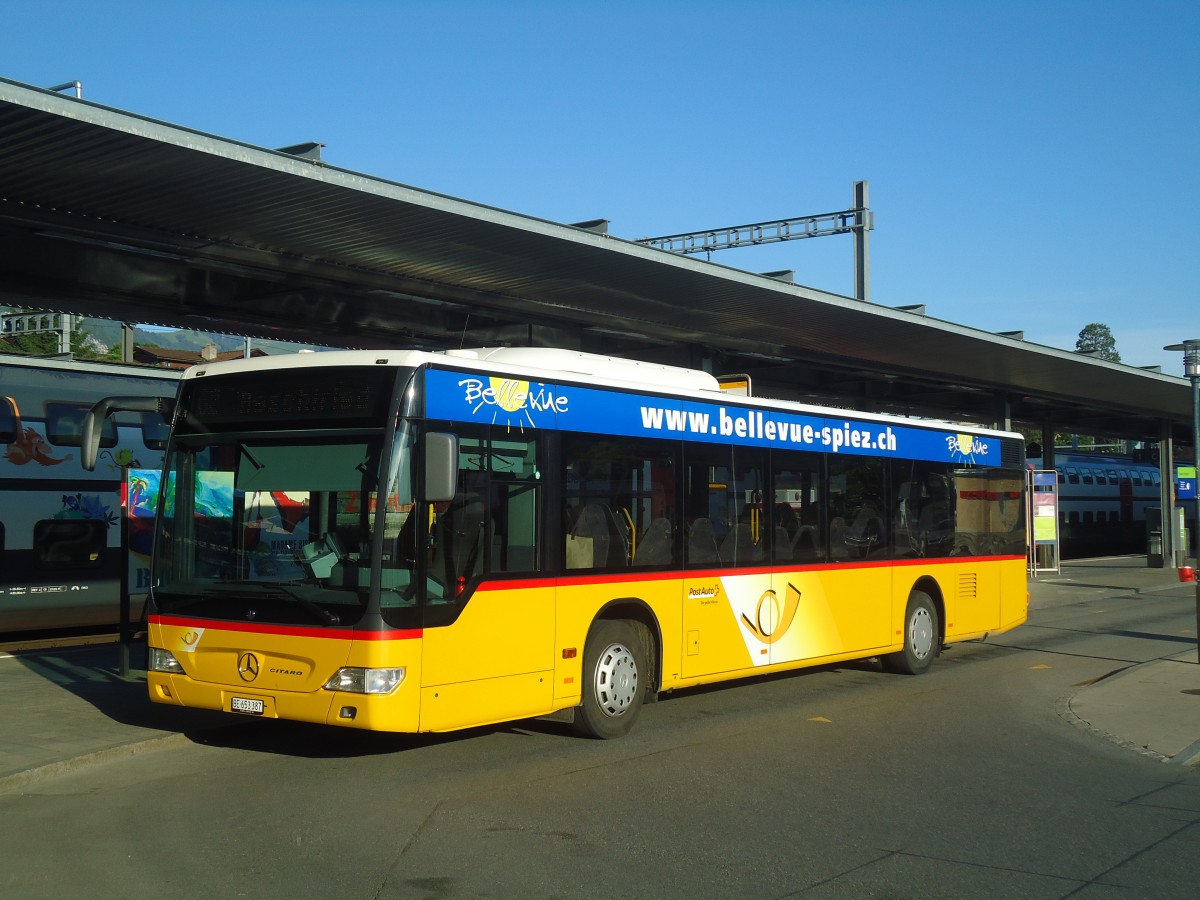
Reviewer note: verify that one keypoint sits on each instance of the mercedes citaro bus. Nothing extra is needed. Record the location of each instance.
(411, 541)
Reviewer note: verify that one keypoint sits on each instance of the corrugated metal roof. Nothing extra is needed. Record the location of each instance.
(119, 215)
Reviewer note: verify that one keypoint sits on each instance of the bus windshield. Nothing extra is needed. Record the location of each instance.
(273, 525)
(269, 529)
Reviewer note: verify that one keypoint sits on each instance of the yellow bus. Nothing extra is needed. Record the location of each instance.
(412, 542)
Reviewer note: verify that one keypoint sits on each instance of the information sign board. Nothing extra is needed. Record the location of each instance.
(1185, 482)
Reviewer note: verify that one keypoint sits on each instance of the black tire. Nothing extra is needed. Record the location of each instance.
(614, 680)
(922, 637)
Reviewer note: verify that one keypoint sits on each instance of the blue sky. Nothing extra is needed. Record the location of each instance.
(1032, 165)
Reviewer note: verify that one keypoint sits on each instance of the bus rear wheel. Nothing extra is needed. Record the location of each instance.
(921, 637)
(614, 680)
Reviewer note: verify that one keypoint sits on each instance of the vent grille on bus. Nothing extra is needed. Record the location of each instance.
(968, 586)
(1012, 454)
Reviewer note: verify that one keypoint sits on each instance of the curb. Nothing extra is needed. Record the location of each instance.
(1189, 756)
(18, 780)
(1063, 707)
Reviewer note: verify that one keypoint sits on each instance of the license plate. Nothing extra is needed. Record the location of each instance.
(246, 705)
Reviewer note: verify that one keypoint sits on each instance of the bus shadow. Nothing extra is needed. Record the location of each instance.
(115, 708)
(116, 711)
(76, 697)
(309, 741)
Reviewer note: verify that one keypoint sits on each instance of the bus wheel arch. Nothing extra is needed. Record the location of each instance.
(619, 670)
(924, 616)
(928, 585)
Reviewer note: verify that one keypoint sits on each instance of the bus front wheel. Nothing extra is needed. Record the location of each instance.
(921, 637)
(614, 681)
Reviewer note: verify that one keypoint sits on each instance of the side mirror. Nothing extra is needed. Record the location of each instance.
(441, 467)
(93, 420)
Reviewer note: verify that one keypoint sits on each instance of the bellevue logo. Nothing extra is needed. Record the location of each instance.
(512, 397)
(966, 446)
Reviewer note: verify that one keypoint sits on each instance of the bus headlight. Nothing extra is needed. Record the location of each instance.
(163, 661)
(357, 680)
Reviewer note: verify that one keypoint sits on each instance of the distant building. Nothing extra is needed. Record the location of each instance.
(167, 358)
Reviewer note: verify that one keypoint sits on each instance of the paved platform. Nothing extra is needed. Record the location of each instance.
(69, 707)
(1152, 707)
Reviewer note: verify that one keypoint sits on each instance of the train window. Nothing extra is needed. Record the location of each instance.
(1088, 478)
(64, 425)
(1112, 476)
(1061, 477)
(10, 420)
(1124, 476)
(1073, 518)
(1087, 518)
(1154, 475)
(1102, 517)
(69, 543)
(1136, 478)
(1072, 476)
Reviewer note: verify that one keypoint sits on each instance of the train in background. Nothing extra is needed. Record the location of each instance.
(1102, 501)
(61, 538)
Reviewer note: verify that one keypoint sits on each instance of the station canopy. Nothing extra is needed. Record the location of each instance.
(111, 214)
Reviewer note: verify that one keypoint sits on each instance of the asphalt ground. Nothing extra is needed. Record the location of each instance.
(67, 707)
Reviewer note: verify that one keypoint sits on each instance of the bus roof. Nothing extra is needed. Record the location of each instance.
(568, 366)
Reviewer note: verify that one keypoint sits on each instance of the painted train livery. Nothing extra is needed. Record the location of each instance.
(61, 545)
(1102, 502)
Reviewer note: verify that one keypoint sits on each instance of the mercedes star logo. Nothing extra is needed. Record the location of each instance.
(248, 666)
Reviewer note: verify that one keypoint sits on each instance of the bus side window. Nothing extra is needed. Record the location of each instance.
(460, 527)
(920, 513)
(620, 502)
(857, 510)
(515, 505)
(723, 497)
(494, 522)
(796, 509)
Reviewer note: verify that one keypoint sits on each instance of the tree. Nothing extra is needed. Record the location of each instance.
(1097, 338)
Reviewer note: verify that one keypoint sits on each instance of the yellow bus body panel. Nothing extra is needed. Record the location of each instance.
(516, 651)
(495, 663)
(287, 673)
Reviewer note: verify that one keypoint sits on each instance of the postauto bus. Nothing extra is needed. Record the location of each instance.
(410, 541)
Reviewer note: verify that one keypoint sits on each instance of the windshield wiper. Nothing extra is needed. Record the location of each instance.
(282, 590)
(250, 588)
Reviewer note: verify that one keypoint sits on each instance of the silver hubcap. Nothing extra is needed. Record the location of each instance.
(616, 679)
(920, 632)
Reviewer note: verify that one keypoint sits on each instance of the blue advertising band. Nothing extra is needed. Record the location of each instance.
(521, 405)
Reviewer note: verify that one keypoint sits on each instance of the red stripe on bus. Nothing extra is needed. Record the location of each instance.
(628, 577)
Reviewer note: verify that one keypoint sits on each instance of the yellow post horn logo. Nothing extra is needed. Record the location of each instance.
(769, 623)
